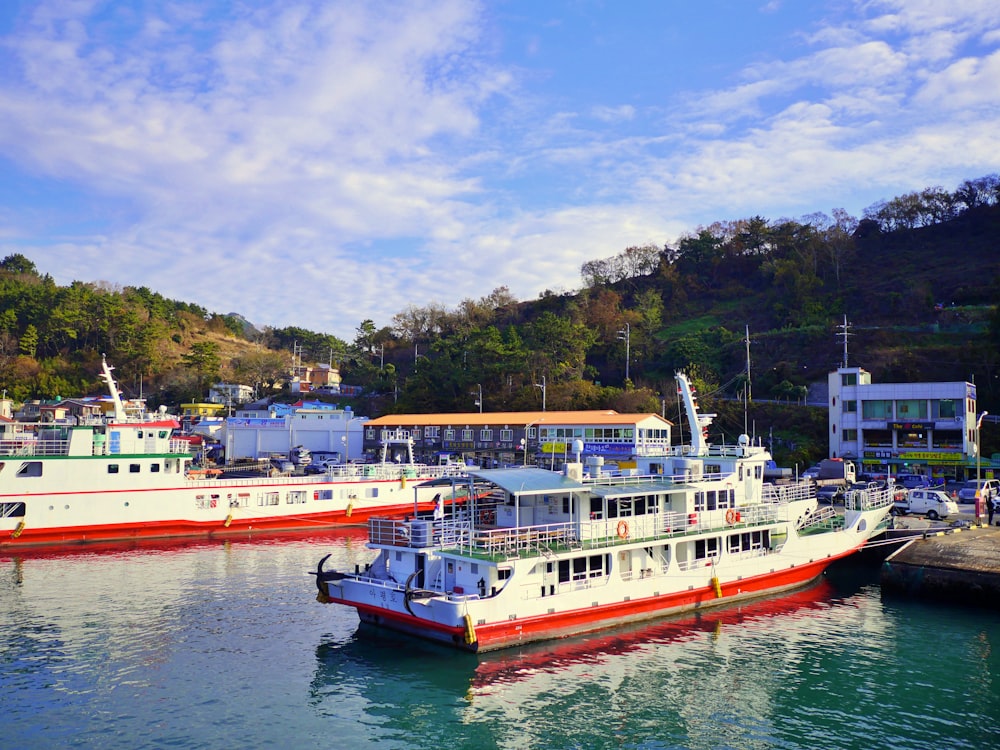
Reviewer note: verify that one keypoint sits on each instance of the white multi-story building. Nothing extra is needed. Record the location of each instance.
(920, 428)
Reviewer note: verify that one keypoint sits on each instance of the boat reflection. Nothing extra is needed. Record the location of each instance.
(678, 670)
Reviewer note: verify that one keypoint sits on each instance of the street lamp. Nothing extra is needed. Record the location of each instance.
(479, 401)
(979, 484)
(626, 336)
(542, 386)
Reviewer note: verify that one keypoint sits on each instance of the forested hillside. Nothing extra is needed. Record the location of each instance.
(915, 280)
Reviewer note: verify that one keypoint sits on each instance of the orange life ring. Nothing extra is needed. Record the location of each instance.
(730, 516)
(622, 530)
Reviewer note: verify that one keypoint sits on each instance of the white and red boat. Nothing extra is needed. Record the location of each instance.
(545, 554)
(129, 478)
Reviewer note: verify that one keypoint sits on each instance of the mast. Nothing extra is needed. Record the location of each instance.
(698, 422)
(116, 396)
(747, 392)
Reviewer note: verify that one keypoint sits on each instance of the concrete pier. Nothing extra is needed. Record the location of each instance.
(957, 565)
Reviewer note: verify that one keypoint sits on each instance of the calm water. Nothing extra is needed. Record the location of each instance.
(222, 645)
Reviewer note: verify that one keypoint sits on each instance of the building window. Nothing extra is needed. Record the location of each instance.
(416, 433)
(851, 406)
(849, 378)
(449, 434)
(911, 409)
(876, 409)
(848, 435)
(506, 436)
(467, 434)
(944, 408)
(486, 434)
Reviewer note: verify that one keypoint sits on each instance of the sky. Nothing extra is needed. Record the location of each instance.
(318, 164)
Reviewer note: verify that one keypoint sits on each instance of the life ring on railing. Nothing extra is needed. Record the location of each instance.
(487, 517)
(622, 530)
(731, 516)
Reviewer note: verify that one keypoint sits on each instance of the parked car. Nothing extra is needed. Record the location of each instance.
(934, 504)
(282, 466)
(811, 473)
(990, 489)
(319, 467)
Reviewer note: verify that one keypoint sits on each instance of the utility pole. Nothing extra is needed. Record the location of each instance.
(626, 335)
(542, 386)
(844, 332)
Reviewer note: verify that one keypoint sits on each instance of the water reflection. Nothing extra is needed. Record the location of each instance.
(710, 676)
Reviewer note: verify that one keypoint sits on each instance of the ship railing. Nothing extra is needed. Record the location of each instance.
(181, 446)
(419, 532)
(541, 539)
(616, 480)
(823, 518)
(872, 499)
(34, 447)
(676, 523)
(785, 493)
(695, 563)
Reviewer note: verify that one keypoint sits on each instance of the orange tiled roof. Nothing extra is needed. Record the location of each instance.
(511, 418)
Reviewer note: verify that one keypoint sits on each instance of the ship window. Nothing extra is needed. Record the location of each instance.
(268, 498)
(11, 510)
(371, 492)
(595, 508)
(155, 468)
(749, 541)
(133, 468)
(699, 500)
(706, 548)
(711, 500)
(112, 468)
(503, 574)
(30, 469)
(296, 496)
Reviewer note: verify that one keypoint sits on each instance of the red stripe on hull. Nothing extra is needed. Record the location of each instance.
(498, 635)
(176, 529)
(181, 529)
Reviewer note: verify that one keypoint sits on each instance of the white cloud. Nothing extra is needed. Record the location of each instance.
(318, 163)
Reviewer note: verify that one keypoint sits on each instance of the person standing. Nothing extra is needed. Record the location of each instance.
(439, 508)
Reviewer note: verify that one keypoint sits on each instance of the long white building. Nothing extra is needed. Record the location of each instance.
(919, 428)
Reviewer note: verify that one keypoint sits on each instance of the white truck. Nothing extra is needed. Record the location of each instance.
(934, 504)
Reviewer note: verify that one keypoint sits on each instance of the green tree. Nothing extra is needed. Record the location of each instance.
(28, 344)
(203, 360)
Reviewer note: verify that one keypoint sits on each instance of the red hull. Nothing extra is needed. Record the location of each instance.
(184, 529)
(512, 632)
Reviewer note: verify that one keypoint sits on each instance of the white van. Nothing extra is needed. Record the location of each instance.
(934, 504)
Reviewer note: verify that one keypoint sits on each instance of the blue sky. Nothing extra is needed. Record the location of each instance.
(320, 163)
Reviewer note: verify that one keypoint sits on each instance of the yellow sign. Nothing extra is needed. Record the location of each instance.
(930, 456)
(553, 447)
